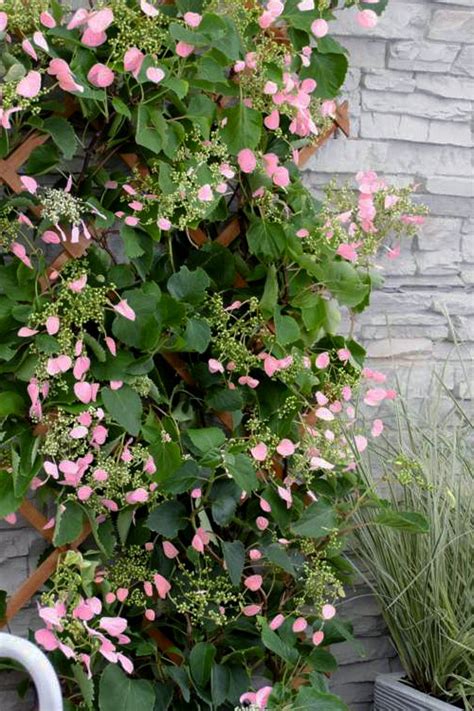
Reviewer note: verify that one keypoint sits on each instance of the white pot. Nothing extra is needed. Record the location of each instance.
(390, 694)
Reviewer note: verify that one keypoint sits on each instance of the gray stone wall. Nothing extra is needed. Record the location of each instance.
(411, 89)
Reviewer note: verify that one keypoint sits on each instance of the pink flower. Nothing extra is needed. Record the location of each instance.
(125, 310)
(262, 523)
(367, 19)
(286, 448)
(348, 251)
(86, 392)
(101, 76)
(192, 19)
(162, 585)
(170, 550)
(272, 121)
(87, 609)
(299, 625)
(259, 452)
(84, 493)
(377, 428)
(150, 615)
(60, 364)
(93, 39)
(101, 20)
(246, 160)
(25, 332)
(286, 495)
(40, 41)
(255, 554)
(30, 85)
(196, 493)
(46, 639)
(139, 496)
(110, 343)
(52, 325)
(281, 177)
(148, 8)
(78, 284)
(328, 612)
(344, 354)
(323, 360)
(205, 193)
(374, 396)
(200, 540)
(360, 442)
(323, 413)
(253, 582)
(78, 432)
(320, 28)
(133, 60)
(47, 20)
(81, 366)
(184, 50)
(320, 463)
(122, 594)
(3, 21)
(20, 252)
(215, 366)
(277, 622)
(251, 610)
(163, 223)
(29, 184)
(115, 626)
(318, 637)
(155, 74)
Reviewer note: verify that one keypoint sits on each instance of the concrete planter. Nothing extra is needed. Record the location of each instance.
(390, 694)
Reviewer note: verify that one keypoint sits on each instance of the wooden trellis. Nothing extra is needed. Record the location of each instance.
(10, 176)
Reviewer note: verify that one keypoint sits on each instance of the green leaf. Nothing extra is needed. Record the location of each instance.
(119, 691)
(243, 128)
(150, 128)
(62, 134)
(42, 160)
(3, 604)
(189, 286)
(242, 470)
(131, 241)
(85, 685)
(311, 699)
(197, 335)
(143, 333)
(270, 293)
(277, 555)
(69, 523)
(125, 407)
(234, 556)
(329, 70)
(343, 281)
(275, 644)
(220, 684)
(121, 107)
(287, 329)
(9, 502)
(207, 438)
(266, 239)
(200, 663)
(181, 677)
(317, 521)
(11, 403)
(167, 519)
(406, 521)
(322, 661)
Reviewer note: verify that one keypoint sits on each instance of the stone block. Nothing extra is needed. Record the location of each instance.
(13, 572)
(387, 80)
(360, 48)
(444, 185)
(400, 20)
(424, 105)
(447, 205)
(14, 543)
(453, 87)
(439, 232)
(458, 302)
(440, 262)
(420, 348)
(464, 63)
(446, 24)
(399, 127)
(351, 693)
(365, 651)
(420, 55)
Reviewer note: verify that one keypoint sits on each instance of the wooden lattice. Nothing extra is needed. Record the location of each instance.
(9, 175)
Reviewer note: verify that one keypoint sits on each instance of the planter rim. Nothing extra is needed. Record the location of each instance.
(416, 699)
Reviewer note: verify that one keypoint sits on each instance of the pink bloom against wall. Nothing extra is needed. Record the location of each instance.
(190, 404)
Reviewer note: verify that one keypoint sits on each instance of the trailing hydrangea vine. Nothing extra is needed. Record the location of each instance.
(181, 386)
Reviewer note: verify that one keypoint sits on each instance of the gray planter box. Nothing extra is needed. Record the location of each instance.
(390, 694)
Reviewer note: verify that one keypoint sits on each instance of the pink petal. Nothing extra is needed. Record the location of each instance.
(299, 625)
(253, 582)
(262, 523)
(29, 86)
(162, 585)
(251, 610)
(246, 160)
(47, 20)
(125, 310)
(170, 550)
(277, 622)
(93, 39)
(183, 49)
(320, 28)
(328, 612)
(155, 74)
(259, 452)
(322, 361)
(377, 428)
(367, 19)
(101, 20)
(286, 448)
(272, 121)
(192, 19)
(46, 639)
(148, 9)
(3, 21)
(50, 237)
(52, 325)
(101, 76)
(25, 332)
(29, 49)
(113, 625)
(79, 284)
(318, 637)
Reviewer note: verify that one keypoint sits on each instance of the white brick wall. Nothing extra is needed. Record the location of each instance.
(410, 90)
